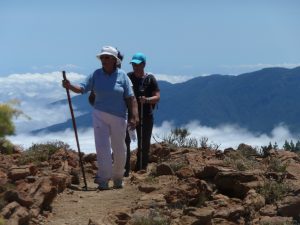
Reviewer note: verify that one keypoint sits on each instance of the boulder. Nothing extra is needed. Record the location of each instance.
(237, 183)
(164, 169)
(289, 207)
(19, 172)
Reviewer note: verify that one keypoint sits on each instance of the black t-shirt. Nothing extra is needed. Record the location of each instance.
(144, 87)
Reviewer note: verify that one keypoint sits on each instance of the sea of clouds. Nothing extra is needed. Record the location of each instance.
(36, 92)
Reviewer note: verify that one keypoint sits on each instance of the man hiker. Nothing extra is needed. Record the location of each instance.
(147, 93)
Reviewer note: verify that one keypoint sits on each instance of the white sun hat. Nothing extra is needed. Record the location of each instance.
(109, 50)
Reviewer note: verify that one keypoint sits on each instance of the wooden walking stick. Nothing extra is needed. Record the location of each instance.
(76, 135)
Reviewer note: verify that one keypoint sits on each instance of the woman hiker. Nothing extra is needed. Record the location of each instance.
(114, 95)
(148, 94)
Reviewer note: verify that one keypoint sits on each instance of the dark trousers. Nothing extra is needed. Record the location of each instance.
(143, 144)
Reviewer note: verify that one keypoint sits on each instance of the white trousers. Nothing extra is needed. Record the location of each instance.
(110, 132)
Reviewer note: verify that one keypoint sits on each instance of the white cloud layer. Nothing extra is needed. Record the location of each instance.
(36, 91)
(224, 136)
(173, 79)
(41, 88)
(230, 135)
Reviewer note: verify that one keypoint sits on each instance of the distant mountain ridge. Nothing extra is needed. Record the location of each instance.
(258, 101)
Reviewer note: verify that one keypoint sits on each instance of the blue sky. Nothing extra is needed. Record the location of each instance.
(188, 38)
(181, 39)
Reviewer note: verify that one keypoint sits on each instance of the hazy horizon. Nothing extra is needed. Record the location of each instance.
(36, 91)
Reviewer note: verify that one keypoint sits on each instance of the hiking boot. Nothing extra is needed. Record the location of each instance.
(126, 174)
(103, 185)
(118, 183)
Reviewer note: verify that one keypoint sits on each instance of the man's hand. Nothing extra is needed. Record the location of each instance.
(66, 84)
(133, 122)
(133, 115)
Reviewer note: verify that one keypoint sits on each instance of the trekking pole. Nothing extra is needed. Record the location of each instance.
(76, 135)
(141, 136)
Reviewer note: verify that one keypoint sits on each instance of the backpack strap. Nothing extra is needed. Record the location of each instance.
(148, 79)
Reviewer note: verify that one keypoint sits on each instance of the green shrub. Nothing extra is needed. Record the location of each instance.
(154, 219)
(177, 165)
(247, 151)
(6, 147)
(149, 221)
(273, 191)
(238, 161)
(276, 165)
(7, 112)
(42, 152)
(179, 138)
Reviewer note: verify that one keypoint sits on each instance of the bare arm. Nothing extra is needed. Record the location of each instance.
(74, 88)
(133, 117)
(151, 100)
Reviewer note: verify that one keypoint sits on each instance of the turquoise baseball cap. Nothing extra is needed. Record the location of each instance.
(138, 58)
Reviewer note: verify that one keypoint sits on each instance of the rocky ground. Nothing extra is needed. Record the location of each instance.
(181, 186)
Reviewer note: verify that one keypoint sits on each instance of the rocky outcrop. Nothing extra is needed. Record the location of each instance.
(29, 190)
(209, 189)
(181, 186)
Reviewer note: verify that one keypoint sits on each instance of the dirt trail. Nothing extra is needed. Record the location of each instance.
(77, 207)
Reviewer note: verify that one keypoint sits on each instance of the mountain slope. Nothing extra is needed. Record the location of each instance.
(258, 101)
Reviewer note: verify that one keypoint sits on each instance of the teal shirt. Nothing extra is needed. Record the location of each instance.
(111, 91)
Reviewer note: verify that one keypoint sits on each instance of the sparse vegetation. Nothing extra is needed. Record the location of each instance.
(6, 147)
(238, 161)
(150, 221)
(7, 112)
(276, 165)
(179, 138)
(42, 152)
(177, 166)
(273, 190)
(154, 219)
(247, 151)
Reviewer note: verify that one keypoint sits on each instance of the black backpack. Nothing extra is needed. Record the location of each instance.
(147, 81)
